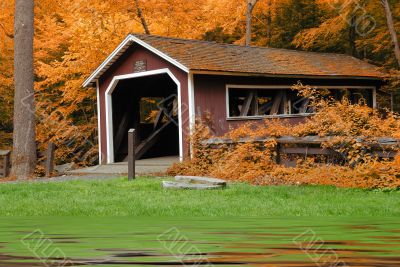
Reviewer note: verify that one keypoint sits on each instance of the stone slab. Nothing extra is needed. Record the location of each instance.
(200, 180)
(178, 185)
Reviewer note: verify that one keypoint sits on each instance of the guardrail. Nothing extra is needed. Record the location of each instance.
(288, 147)
(48, 155)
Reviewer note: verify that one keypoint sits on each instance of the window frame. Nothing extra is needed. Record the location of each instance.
(284, 87)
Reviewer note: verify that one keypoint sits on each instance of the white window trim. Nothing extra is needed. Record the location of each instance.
(109, 112)
(279, 87)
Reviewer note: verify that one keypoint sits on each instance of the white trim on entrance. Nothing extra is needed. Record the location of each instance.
(192, 108)
(128, 41)
(99, 121)
(109, 114)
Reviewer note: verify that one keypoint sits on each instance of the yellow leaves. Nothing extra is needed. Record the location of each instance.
(191, 19)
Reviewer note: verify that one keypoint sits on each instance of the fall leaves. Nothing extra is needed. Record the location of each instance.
(345, 122)
(72, 37)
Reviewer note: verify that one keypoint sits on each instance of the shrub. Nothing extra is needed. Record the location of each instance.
(255, 162)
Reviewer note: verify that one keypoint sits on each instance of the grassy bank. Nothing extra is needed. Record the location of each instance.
(145, 197)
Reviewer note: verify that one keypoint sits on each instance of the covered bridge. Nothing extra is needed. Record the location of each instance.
(158, 85)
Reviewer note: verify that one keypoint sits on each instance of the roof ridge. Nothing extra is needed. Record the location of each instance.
(245, 47)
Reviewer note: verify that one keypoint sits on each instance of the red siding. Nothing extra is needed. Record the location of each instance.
(125, 65)
(210, 94)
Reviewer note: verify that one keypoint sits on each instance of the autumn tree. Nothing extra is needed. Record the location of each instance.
(24, 137)
(392, 30)
(292, 17)
(220, 36)
(6, 65)
(337, 33)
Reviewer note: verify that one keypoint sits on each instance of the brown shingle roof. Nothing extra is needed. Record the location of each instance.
(211, 56)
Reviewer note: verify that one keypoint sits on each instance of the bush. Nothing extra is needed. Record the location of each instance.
(255, 162)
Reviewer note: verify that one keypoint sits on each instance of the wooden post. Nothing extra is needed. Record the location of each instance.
(131, 154)
(7, 164)
(50, 159)
(278, 153)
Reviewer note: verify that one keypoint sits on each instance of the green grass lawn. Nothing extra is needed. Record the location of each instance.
(145, 197)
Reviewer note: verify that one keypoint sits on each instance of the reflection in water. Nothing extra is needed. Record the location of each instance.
(221, 242)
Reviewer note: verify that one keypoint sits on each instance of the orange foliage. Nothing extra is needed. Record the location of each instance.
(254, 162)
(73, 37)
(71, 40)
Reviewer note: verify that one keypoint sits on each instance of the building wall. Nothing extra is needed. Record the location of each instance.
(125, 65)
(210, 95)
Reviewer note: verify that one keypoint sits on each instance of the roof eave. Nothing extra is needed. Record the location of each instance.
(123, 46)
(213, 72)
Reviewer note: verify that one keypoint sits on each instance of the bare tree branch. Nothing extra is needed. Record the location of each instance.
(141, 17)
(250, 7)
(9, 35)
(392, 30)
(269, 22)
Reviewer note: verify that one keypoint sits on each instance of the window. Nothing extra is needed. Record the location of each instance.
(356, 96)
(265, 102)
(270, 101)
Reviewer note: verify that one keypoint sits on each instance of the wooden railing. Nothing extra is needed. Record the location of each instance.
(48, 156)
(290, 147)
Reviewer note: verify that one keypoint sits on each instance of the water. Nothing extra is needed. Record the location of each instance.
(294, 242)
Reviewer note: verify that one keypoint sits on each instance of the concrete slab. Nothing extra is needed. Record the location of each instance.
(143, 166)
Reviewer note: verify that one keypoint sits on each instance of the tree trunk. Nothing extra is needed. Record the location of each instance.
(250, 6)
(24, 137)
(392, 30)
(352, 36)
(269, 22)
(141, 17)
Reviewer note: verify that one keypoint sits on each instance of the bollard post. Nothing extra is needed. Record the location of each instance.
(7, 164)
(131, 154)
(50, 159)
(278, 153)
